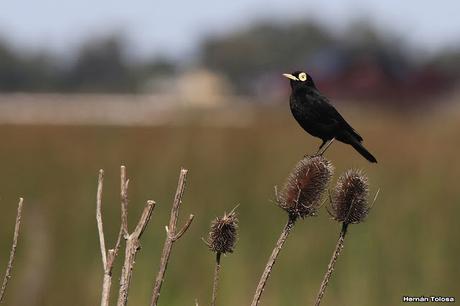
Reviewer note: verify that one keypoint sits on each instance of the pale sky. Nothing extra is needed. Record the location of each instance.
(175, 27)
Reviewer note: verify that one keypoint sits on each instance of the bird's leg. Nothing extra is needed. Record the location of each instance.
(324, 146)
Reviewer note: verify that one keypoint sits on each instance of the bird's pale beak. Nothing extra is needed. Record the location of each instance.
(290, 76)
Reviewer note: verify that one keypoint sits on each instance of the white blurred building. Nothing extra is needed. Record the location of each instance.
(195, 87)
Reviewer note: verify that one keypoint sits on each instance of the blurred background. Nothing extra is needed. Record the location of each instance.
(86, 85)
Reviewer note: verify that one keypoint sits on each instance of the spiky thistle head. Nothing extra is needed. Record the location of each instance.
(302, 192)
(223, 233)
(350, 199)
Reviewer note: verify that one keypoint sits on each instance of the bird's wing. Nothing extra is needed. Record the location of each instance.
(328, 115)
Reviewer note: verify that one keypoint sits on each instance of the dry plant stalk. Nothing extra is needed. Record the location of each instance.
(108, 257)
(300, 198)
(271, 261)
(9, 267)
(132, 247)
(331, 265)
(132, 240)
(349, 205)
(107, 265)
(215, 282)
(221, 240)
(171, 236)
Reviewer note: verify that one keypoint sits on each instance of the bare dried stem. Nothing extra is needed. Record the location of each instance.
(132, 241)
(9, 267)
(132, 247)
(108, 257)
(124, 212)
(171, 236)
(106, 285)
(331, 266)
(124, 201)
(184, 228)
(271, 261)
(107, 281)
(100, 226)
(215, 283)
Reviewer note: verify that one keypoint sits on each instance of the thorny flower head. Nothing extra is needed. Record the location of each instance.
(350, 199)
(223, 233)
(302, 192)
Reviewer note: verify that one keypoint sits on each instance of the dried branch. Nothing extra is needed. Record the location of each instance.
(132, 241)
(184, 228)
(107, 266)
(132, 247)
(215, 283)
(100, 227)
(331, 266)
(271, 261)
(9, 267)
(124, 201)
(171, 236)
(124, 212)
(108, 257)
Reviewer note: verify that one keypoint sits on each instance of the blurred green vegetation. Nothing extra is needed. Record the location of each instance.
(101, 64)
(249, 58)
(408, 246)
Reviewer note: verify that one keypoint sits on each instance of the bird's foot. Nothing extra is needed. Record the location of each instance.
(311, 156)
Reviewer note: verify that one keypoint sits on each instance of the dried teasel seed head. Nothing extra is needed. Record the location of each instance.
(350, 200)
(302, 192)
(223, 233)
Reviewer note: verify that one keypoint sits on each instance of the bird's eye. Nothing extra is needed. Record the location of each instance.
(303, 76)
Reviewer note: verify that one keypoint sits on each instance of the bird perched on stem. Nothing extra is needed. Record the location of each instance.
(319, 118)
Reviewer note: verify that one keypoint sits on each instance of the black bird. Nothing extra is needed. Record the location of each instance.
(318, 117)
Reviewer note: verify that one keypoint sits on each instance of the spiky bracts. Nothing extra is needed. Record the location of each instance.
(350, 199)
(302, 192)
(223, 233)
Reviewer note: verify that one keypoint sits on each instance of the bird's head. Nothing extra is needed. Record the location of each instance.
(299, 79)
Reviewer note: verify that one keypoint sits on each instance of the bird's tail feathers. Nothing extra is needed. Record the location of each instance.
(362, 150)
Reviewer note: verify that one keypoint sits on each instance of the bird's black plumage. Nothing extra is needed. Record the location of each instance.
(318, 117)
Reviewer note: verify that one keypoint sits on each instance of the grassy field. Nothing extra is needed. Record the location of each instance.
(408, 246)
